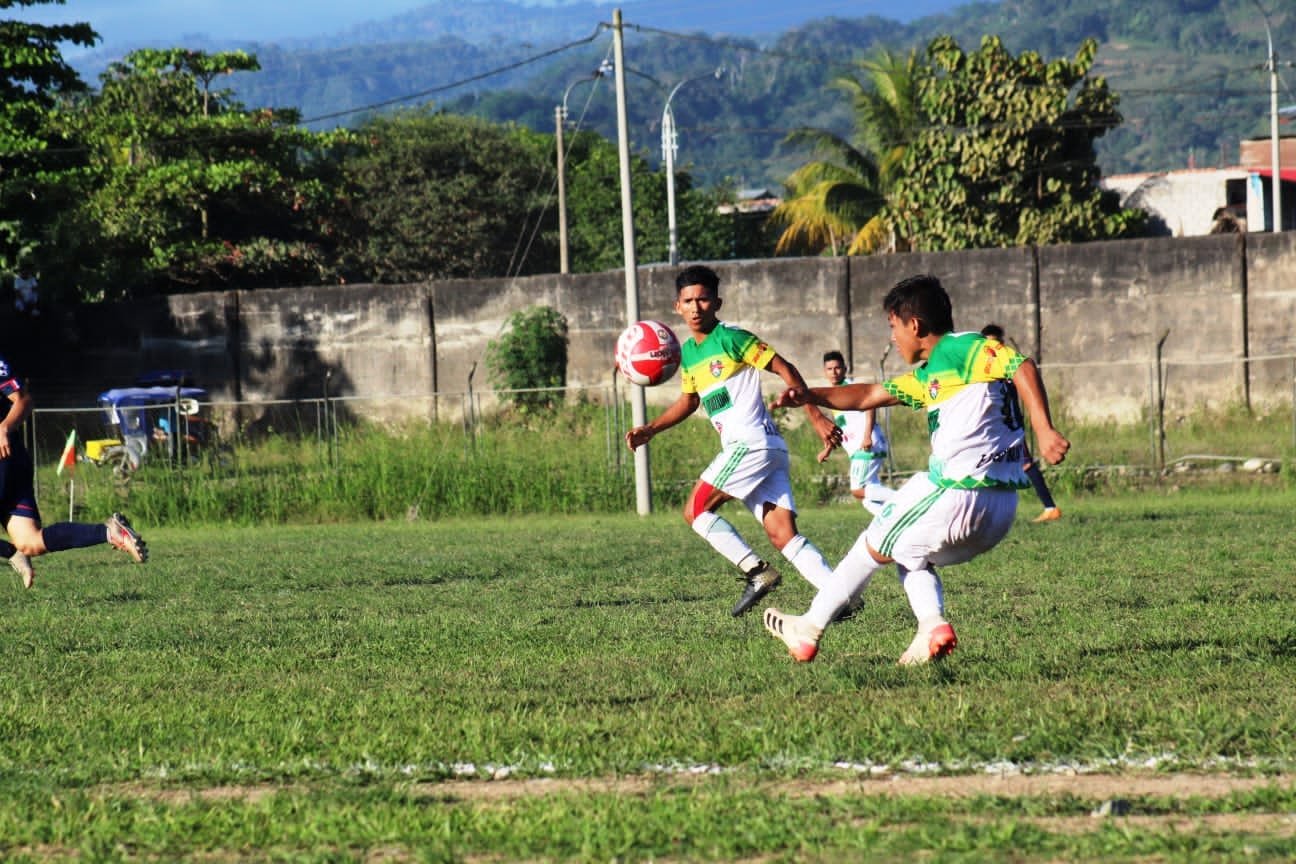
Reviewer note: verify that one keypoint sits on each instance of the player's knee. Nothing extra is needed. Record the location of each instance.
(779, 533)
(698, 502)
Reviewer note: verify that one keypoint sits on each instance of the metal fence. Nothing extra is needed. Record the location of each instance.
(1169, 441)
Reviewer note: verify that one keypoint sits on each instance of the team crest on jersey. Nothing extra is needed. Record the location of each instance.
(4, 369)
(933, 389)
(716, 367)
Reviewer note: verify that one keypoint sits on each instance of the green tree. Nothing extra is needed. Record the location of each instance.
(838, 202)
(439, 196)
(185, 190)
(33, 78)
(594, 211)
(530, 354)
(1007, 156)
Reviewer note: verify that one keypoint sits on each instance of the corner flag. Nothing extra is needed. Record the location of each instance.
(68, 459)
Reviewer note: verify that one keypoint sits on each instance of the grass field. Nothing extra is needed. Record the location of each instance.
(573, 688)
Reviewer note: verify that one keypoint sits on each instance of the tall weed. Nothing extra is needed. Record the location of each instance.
(573, 460)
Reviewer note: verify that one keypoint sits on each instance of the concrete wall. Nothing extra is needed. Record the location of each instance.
(1270, 280)
(1105, 306)
(1091, 314)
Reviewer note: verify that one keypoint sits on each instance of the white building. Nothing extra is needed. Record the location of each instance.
(1193, 201)
(1213, 200)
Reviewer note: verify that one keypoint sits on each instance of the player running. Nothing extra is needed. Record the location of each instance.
(720, 371)
(18, 498)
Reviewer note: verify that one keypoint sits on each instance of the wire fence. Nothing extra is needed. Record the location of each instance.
(1156, 440)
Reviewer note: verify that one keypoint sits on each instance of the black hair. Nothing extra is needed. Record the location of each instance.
(698, 274)
(834, 355)
(993, 331)
(924, 298)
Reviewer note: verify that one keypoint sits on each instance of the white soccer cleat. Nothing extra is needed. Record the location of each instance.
(23, 567)
(929, 645)
(799, 635)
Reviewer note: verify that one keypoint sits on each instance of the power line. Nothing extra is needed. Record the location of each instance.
(374, 106)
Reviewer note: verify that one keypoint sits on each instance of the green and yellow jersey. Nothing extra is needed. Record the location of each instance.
(724, 371)
(977, 435)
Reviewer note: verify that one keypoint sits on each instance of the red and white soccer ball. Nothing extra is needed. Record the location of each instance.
(647, 353)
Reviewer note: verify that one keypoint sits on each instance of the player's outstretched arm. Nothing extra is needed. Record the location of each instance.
(824, 427)
(677, 411)
(1053, 446)
(844, 397)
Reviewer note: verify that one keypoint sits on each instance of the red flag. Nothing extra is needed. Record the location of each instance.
(68, 459)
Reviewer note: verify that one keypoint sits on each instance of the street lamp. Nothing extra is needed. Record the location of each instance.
(670, 143)
(1274, 165)
(560, 119)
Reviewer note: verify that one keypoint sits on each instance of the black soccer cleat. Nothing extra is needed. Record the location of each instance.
(760, 580)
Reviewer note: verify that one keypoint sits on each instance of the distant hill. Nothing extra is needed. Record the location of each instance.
(1188, 71)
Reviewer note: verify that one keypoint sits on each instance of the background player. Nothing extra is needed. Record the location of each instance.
(863, 441)
(1032, 469)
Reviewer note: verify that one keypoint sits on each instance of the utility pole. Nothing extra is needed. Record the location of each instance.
(638, 399)
(1275, 165)
(670, 143)
(559, 120)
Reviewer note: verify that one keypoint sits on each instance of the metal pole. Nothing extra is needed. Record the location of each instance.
(1152, 401)
(1275, 157)
(1160, 406)
(886, 415)
(1275, 162)
(560, 120)
(562, 191)
(670, 143)
(668, 154)
(638, 399)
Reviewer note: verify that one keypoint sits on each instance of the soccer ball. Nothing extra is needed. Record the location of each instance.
(647, 353)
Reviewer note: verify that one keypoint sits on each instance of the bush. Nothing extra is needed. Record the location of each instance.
(531, 353)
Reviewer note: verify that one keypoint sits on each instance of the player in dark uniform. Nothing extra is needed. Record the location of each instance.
(22, 523)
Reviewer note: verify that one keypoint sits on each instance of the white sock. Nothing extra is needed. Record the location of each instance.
(926, 595)
(848, 581)
(712, 528)
(808, 561)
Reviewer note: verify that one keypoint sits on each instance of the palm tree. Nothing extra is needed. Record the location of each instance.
(838, 200)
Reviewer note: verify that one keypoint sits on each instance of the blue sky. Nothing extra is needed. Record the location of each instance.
(119, 21)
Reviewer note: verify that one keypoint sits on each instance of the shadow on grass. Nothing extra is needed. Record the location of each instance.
(117, 597)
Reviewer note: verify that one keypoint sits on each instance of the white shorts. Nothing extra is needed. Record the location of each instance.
(924, 524)
(754, 477)
(865, 469)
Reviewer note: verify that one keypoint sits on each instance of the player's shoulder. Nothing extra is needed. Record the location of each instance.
(729, 330)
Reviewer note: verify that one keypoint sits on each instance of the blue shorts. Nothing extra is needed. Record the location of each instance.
(17, 494)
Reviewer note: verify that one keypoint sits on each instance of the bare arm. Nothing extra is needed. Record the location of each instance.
(847, 397)
(823, 425)
(677, 411)
(18, 411)
(1030, 387)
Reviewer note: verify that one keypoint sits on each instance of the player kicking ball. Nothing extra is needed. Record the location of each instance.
(967, 500)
